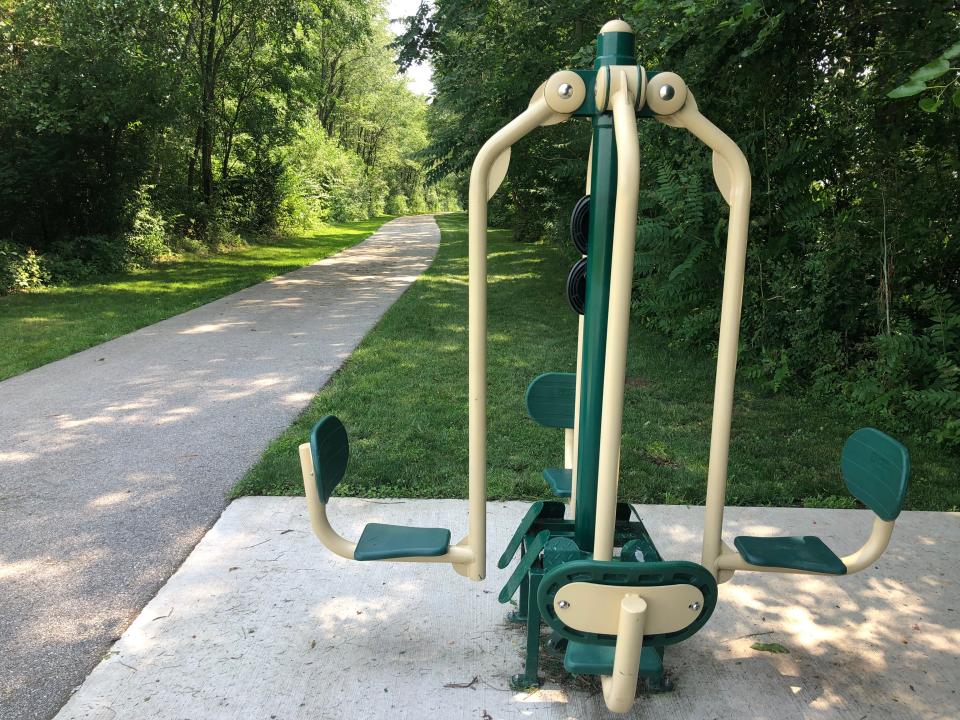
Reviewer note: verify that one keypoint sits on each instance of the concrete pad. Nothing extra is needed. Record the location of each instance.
(115, 461)
(262, 622)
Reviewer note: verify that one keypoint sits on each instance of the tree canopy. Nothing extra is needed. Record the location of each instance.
(854, 259)
(129, 126)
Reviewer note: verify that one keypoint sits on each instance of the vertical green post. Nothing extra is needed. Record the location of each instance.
(613, 48)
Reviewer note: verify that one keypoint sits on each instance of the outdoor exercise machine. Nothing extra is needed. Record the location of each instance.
(594, 575)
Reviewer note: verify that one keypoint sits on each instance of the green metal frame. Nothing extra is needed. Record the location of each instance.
(547, 544)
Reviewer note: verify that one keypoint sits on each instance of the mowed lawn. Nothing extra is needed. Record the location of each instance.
(403, 398)
(40, 326)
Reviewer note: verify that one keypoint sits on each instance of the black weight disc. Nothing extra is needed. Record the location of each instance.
(577, 286)
(580, 224)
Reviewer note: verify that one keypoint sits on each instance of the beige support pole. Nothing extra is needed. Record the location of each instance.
(576, 420)
(568, 447)
(576, 402)
(618, 315)
(739, 199)
(620, 689)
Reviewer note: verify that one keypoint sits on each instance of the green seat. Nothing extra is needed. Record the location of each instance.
(330, 451)
(560, 480)
(806, 553)
(876, 471)
(388, 542)
(586, 659)
(551, 398)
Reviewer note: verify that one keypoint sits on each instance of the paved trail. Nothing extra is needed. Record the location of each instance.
(116, 460)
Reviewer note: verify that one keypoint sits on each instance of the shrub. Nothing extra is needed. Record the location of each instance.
(84, 256)
(146, 240)
(418, 204)
(397, 205)
(20, 269)
(911, 376)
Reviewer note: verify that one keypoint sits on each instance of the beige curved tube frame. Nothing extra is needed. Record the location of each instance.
(863, 558)
(339, 545)
(733, 177)
(739, 191)
(618, 313)
(469, 556)
(538, 113)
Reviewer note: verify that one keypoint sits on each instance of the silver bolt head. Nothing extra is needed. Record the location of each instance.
(695, 606)
(565, 90)
(563, 604)
(667, 92)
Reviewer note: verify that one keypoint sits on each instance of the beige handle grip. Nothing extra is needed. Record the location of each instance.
(620, 689)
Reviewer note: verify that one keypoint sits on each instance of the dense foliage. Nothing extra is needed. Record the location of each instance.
(127, 126)
(854, 259)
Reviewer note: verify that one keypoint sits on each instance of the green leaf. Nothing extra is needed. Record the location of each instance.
(931, 70)
(769, 647)
(929, 104)
(951, 52)
(909, 88)
(956, 98)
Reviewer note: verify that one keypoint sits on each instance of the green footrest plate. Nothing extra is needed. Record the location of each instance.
(560, 481)
(584, 659)
(797, 553)
(386, 542)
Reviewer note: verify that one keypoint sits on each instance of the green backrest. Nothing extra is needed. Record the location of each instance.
(330, 450)
(876, 470)
(550, 399)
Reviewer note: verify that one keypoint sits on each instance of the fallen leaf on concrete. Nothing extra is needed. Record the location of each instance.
(769, 647)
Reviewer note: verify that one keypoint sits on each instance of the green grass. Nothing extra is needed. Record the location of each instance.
(40, 326)
(402, 397)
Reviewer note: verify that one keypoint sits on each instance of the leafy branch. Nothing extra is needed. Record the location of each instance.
(917, 82)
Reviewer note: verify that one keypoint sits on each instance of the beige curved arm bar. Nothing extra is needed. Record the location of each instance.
(863, 558)
(538, 113)
(738, 196)
(338, 544)
(618, 315)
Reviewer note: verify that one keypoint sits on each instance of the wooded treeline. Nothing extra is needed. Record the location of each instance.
(130, 126)
(853, 285)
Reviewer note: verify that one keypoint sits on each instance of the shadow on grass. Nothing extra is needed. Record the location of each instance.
(41, 326)
(403, 398)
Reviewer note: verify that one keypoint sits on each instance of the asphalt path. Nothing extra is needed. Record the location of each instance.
(116, 460)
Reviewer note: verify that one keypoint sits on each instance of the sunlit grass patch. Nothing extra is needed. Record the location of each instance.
(403, 398)
(43, 325)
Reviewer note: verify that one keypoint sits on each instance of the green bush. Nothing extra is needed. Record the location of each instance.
(20, 269)
(418, 204)
(146, 241)
(84, 256)
(911, 376)
(328, 181)
(397, 205)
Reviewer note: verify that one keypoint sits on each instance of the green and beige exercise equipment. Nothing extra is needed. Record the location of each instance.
(586, 568)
